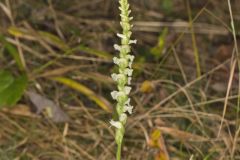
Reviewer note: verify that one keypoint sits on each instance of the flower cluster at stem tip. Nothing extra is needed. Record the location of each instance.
(123, 77)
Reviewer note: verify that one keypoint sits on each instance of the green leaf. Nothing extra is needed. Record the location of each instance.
(159, 48)
(12, 94)
(11, 49)
(5, 79)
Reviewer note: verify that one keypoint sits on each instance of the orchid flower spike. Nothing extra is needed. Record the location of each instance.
(124, 76)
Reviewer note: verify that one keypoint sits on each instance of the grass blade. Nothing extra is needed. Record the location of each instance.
(100, 101)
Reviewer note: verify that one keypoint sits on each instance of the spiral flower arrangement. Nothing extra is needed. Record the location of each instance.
(124, 75)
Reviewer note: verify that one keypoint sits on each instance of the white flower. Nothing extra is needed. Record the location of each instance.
(117, 47)
(116, 124)
(116, 60)
(131, 58)
(129, 11)
(123, 117)
(127, 102)
(130, 64)
(129, 80)
(132, 41)
(122, 36)
(120, 61)
(120, 8)
(128, 71)
(117, 77)
(128, 108)
(114, 94)
(127, 89)
(114, 76)
(125, 18)
(122, 48)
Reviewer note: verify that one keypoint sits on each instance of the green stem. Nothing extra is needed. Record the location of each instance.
(119, 148)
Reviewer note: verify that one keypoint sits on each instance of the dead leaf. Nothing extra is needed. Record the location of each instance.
(146, 87)
(43, 104)
(156, 141)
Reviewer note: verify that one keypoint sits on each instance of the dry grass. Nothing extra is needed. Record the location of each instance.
(186, 111)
